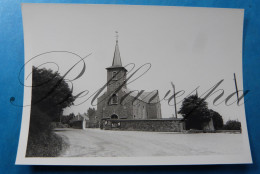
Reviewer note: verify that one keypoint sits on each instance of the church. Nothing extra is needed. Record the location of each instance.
(119, 102)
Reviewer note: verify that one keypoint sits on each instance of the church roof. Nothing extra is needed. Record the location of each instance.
(117, 59)
(117, 63)
(145, 96)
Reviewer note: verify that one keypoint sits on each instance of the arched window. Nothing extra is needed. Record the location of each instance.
(114, 75)
(114, 99)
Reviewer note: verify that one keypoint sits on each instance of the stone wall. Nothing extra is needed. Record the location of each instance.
(104, 110)
(156, 125)
(152, 111)
(139, 109)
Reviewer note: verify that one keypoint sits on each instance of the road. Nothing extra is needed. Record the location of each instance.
(107, 143)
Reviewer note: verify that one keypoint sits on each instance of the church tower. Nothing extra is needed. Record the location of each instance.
(119, 102)
(116, 74)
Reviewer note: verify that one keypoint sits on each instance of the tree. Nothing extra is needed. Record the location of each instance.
(65, 119)
(93, 122)
(91, 113)
(233, 125)
(50, 93)
(217, 119)
(195, 112)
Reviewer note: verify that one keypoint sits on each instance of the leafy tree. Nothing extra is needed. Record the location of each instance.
(91, 114)
(65, 119)
(217, 119)
(195, 112)
(50, 93)
(72, 115)
(233, 125)
(93, 120)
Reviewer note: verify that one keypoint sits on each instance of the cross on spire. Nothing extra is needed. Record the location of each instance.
(117, 36)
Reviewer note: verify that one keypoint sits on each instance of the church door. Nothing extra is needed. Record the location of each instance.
(114, 116)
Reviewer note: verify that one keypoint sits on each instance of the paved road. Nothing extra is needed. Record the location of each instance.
(105, 143)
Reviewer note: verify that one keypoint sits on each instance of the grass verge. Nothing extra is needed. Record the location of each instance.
(46, 144)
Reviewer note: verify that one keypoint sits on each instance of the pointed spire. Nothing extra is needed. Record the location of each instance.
(117, 59)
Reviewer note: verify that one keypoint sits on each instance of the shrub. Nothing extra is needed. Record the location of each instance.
(217, 119)
(232, 125)
(42, 142)
(46, 145)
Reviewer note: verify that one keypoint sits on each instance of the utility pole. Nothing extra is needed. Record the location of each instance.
(173, 86)
(235, 79)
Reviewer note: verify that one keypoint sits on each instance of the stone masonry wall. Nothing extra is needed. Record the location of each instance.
(157, 125)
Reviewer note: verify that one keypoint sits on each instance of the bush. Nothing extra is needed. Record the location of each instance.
(46, 145)
(217, 119)
(58, 125)
(39, 123)
(42, 142)
(232, 125)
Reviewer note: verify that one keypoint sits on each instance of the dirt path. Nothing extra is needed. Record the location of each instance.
(104, 143)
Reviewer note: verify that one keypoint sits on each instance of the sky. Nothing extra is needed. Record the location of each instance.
(188, 46)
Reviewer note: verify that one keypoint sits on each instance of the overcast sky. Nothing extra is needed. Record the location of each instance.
(188, 46)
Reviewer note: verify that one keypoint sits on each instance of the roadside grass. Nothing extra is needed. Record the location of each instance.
(46, 144)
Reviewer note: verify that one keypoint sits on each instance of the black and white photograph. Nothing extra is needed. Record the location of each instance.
(132, 85)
